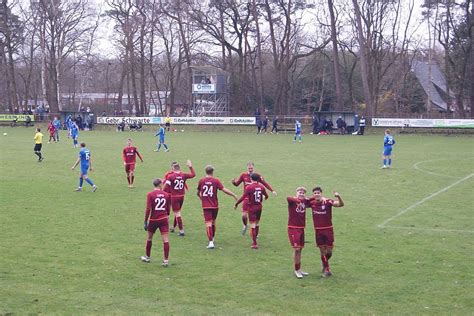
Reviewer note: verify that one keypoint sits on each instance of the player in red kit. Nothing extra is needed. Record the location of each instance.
(175, 184)
(129, 156)
(322, 220)
(296, 224)
(254, 194)
(245, 179)
(207, 191)
(156, 217)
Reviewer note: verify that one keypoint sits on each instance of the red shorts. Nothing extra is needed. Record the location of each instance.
(254, 215)
(162, 224)
(130, 167)
(210, 214)
(324, 237)
(245, 206)
(177, 203)
(296, 237)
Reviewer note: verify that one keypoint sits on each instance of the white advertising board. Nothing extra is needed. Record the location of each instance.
(204, 120)
(431, 123)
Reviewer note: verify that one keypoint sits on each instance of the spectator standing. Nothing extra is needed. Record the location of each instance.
(275, 125)
(362, 125)
(315, 124)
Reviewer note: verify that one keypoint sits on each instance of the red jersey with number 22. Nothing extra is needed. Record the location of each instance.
(157, 205)
(207, 188)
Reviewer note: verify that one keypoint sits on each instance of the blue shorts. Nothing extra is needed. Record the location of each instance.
(298, 133)
(84, 170)
(162, 140)
(387, 151)
(74, 137)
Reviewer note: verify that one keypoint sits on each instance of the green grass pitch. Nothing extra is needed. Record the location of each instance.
(63, 252)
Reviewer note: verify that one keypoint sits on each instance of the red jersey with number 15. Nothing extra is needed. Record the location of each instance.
(176, 182)
(207, 188)
(254, 193)
(157, 205)
(129, 155)
(296, 212)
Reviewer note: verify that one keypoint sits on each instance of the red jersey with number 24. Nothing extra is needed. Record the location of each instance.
(207, 188)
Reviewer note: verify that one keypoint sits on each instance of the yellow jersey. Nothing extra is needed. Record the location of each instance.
(167, 119)
(38, 138)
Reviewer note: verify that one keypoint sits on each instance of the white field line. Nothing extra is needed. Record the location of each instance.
(431, 229)
(430, 172)
(424, 200)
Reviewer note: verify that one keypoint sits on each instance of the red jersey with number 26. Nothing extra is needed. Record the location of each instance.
(176, 182)
(157, 205)
(255, 193)
(207, 188)
(296, 212)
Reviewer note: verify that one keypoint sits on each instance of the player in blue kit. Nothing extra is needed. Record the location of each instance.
(57, 127)
(86, 164)
(161, 134)
(297, 131)
(74, 133)
(388, 143)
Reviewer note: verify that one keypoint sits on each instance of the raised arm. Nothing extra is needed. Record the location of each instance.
(192, 173)
(238, 181)
(339, 202)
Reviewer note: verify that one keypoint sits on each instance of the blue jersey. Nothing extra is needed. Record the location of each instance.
(298, 127)
(74, 130)
(161, 133)
(85, 156)
(57, 124)
(388, 141)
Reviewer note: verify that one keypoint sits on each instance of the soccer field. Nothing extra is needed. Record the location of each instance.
(404, 240)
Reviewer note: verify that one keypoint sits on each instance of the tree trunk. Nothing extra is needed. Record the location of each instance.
(335, 58)
(369, 110)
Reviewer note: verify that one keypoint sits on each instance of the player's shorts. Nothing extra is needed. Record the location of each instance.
(298, 133)
(254, 215)
(210, 214)
(296, 237)
(130, 167)
(177, 203)
(84, 170)
(162, 140)
(245, 206)
(161, 224)
(167, 124)
(74, 137)
(324, 237)
(38, 147)
(387, 151)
